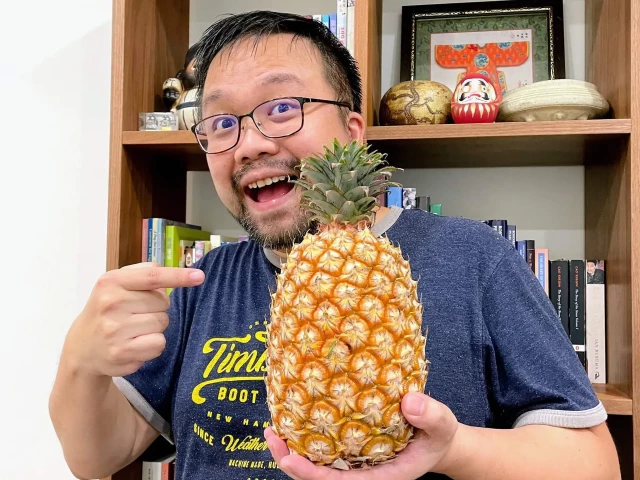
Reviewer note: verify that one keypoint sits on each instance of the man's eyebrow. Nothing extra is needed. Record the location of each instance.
(280, 77)
(270, 79)
(211, 97)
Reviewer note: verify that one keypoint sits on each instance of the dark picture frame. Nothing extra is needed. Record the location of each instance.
(543, 18)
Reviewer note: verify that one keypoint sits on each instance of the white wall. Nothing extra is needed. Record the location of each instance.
(55, 65)
(556, 194)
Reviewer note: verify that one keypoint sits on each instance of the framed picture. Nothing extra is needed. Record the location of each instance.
(513, 42)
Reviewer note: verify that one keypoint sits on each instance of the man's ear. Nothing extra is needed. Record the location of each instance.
(356, 126)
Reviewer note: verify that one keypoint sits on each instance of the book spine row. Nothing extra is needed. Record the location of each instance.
(576, 288)
(341, 22)
(408, 198)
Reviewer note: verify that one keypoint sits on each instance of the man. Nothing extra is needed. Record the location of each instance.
(508, 397)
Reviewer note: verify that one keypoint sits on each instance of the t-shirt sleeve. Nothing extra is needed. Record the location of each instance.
(534, 375)
(151, 388)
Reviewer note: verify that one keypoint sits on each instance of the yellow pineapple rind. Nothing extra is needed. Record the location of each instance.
(345, 344)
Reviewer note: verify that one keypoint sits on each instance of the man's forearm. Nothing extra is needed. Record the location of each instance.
(93, 420)
(532, 452)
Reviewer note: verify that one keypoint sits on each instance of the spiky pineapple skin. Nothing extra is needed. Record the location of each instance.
(345, 344)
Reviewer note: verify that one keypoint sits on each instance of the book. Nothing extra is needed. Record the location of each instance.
(351, 26)
(153, 237)
(394, 197)
(341, 15)
(408, 198)
(595, 321)
(542, 267)
(499, 226)
(559, 291)
(174, 235)
(333, 26)
(531, 254)
(577, 312)
(511, 234)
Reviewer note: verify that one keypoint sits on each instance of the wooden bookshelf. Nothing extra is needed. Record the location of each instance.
(580, 128)
(416, 146)
(615, 401)
(148, 169)
(564, 129)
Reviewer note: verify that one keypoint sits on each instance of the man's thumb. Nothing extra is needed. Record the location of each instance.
(435, 418)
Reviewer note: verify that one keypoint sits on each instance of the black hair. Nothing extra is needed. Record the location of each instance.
(340, 67)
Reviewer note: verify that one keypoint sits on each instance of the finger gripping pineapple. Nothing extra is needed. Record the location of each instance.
(345, 341)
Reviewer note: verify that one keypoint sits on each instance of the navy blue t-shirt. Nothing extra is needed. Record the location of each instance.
(499, 355)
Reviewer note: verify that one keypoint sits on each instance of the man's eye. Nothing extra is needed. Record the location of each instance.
(280, 108)
(224, 123)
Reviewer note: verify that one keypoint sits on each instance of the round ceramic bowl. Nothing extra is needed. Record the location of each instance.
(562, 99)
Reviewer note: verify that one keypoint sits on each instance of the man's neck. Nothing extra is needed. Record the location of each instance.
(379, 215)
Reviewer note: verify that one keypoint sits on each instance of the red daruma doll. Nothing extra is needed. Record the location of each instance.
(475, 100)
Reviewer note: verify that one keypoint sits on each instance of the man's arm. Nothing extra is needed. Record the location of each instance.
(121, 329)
(100, 432)
(532, 452)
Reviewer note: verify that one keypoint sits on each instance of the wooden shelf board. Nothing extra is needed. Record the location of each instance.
(614, 400)
(177, 138)
(500, 129)
(501, 144)
(173, 145)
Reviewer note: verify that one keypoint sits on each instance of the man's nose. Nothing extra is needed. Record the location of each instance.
(252, 144)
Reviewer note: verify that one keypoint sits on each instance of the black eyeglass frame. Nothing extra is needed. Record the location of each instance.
(301, 100)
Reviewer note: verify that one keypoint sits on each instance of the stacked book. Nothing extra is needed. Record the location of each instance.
(576, 288)
(178, 244)
(407, 198)
(341, 22)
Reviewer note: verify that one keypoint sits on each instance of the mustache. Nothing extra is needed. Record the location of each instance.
(276, 163)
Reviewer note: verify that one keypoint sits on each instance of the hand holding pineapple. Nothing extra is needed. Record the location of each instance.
(430, 451)
(346, 342)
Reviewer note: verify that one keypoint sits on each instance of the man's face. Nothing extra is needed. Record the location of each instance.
(591, 268)
(237, 81)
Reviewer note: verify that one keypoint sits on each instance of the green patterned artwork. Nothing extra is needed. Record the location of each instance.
(511, 42)
(537, 23)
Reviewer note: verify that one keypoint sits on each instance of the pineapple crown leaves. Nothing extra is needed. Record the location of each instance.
(341, 185)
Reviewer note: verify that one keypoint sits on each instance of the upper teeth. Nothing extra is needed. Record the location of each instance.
(266, 181)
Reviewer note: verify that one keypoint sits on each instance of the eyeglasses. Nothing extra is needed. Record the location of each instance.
(276, 118)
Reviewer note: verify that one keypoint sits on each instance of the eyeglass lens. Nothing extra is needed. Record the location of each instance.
(276, 118)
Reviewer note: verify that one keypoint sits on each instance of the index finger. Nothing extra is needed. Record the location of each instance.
(155, 277)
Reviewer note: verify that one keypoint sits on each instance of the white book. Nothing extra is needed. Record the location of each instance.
(151, 471)
(595, 325)
(341, 20)
(351, 25)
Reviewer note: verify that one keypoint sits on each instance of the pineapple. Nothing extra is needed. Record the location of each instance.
(345, 342)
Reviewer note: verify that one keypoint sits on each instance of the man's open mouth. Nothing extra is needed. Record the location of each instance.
(268, 189)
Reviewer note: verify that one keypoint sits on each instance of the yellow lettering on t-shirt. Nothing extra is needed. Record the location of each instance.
(237, 395)
(247, 443)
(227, 359)
(203, 434)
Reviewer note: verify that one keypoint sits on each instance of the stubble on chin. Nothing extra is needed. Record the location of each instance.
(277, 230)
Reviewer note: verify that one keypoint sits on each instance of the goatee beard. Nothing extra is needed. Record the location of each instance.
(279, 239)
